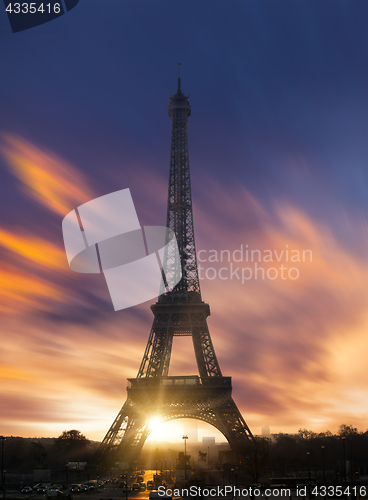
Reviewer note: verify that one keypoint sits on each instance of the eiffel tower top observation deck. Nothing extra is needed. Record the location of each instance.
(179, 206)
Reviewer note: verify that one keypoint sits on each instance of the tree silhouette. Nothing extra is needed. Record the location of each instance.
(38, 452)
(347, 430)
(71, 442)
(257, 458)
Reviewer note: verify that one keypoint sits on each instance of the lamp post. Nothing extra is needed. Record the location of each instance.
(309, 488)
(323, 464)
(66, 475)
(344, 459)
(156, 480)
(2, 439)
(126, 485)
(185, 437)
(351, 461)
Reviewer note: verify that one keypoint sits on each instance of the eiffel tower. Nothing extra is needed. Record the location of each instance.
(178, 312)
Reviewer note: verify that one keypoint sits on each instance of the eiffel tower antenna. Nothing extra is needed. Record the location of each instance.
(178, 312)
(179, 79)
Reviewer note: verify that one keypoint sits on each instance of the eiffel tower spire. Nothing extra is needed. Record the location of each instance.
(179, 79)
(179, 204)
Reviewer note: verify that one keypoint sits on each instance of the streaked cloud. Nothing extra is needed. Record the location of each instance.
(301, 340)
(294, 348)
(23, 291)
(36, 276)
(34, 249)
(12, 373)
(70, 370)
(45, 177)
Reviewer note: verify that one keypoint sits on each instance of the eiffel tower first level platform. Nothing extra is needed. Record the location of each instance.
(179, 311)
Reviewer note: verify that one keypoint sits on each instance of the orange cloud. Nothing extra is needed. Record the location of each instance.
(13, 373)
(57, 185)
(47, 178)
(58, 358)
(34, 249)
(296, 350)
(18, 290)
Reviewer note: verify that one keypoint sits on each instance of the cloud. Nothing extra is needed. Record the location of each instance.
(51, 373)
(295, 349)
(46, 177)
(36, 274)
(13, 373)
(34, 249)
(24, 292)
(278, 338)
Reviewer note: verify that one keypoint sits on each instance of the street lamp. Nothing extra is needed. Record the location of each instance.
(309, 485)
(156, 479)
(2, 439)
(344, 463)
(185, 437)
(66, 476)
(351, 461)
(323, 464)
(126, 485)
(88, 477)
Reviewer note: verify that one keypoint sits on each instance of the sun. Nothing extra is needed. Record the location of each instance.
(154, 423)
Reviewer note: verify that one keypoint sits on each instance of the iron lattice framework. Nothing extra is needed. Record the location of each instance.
(179, 205)
(178, 312)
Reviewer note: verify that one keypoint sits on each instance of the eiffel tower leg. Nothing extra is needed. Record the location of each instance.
(117, 429)
(156, 359)
(235, 430)
(124, 438)
(208, 365)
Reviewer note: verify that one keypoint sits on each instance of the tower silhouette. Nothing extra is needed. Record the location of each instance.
(179, 311)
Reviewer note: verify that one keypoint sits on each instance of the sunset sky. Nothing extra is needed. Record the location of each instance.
(278, 155)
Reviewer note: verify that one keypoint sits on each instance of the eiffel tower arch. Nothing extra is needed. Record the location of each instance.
(179, 311)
